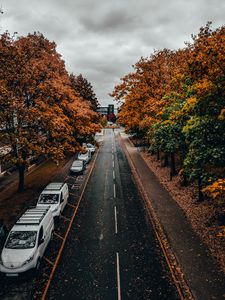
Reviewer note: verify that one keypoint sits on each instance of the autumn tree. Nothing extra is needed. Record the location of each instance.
(177, 100)
(39, 109)
(205, 131)
(142, 92)
(85, 90)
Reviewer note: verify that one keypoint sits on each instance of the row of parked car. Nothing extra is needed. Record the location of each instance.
(78, 166)
(27, 240)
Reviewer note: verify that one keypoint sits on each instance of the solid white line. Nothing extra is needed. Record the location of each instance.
(114, 190)
(118, 275)
(114, 175)
(115, 214)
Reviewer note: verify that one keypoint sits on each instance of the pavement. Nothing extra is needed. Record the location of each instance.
(203, 274)
(9, 178)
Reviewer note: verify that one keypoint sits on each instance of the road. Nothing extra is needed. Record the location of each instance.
(111, 251)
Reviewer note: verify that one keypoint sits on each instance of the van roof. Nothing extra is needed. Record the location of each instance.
(33, 216)
(54, 186)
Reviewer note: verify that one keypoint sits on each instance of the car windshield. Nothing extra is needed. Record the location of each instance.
(90, 146)
(83, 154)
(48, 199)
(77, 163)
(21, 240)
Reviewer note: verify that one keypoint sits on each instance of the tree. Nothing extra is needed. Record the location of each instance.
(205, 129)
(40, 112)
(84, 90)
(142, 92)
(176, 99)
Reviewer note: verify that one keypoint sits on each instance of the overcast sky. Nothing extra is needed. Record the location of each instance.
(102, 39)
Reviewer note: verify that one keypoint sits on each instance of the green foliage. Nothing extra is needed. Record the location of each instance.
(167, 135)
(206, 147)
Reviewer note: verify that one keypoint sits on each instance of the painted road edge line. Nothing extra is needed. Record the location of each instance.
(118, 275)
(67, 232)
(115, 214)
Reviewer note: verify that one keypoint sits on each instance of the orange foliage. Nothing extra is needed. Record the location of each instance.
(143, 91)
(40, 113)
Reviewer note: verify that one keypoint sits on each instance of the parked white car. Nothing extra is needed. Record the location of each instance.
(77, 167)
(27, 241)
(85, 156)
(91, 148)
(56, 196)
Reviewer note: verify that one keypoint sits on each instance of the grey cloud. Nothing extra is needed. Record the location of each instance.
(115, 20)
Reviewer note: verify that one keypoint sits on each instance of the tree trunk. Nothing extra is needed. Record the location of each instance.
(152, 152)
(173, 171)
(184, 180)
(158, 155)
(166, 160)
(21, 169)
(200, 194)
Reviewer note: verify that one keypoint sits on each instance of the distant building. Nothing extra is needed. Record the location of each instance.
(103, 110)
(110, 109)
(106, 110)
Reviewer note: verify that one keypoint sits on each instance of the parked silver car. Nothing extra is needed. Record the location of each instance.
(77, 167)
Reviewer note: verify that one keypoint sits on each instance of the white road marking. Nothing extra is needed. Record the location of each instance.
(113, 164)
(112, 157)
(114, 175)
(115, 214)
(118, 275)
(114, 190)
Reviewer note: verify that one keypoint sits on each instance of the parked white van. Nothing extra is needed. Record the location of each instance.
(56, 196)
(27, 241)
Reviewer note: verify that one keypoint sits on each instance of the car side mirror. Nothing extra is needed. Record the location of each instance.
(61, 200)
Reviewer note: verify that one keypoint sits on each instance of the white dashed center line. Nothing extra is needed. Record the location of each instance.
(115, 214)
(114, 190)
(118, 275)
(114, 175)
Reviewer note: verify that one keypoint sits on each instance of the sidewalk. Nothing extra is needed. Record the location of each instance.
(12, 178)
(201, 270)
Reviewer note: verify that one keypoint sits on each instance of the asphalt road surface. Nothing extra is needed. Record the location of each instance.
(111, 251)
